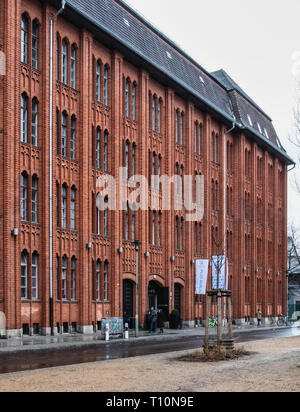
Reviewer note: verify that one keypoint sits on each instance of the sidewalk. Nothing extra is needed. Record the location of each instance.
(76, 341)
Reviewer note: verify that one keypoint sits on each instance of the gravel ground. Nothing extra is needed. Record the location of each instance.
(274, 366)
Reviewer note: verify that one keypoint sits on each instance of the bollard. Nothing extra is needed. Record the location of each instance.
(126, 331)
(107, 332)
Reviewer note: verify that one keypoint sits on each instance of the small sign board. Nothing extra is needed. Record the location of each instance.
(116, 326)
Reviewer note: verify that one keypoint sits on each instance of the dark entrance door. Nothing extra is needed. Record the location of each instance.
(158, 297)
(177, 297)
(127, 300)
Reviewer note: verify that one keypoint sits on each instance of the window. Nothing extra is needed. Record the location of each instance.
(64, 62)
(73, 278)
(159, 230)
(73, 138)
(34, 123)
(64, 206)
(98, 281)
(105, 151)
(34, 276)
(159, 117)
(64, 128)
(73, 67)
(64, 277)
(127, 223)
(24, 196)
(105, 276)
(105, 217)
(106, 86)
(215, 148)
(259, 128)
(127, 98)
(133, 159)
(176, 127)
(154, 113)
(24, 275)
(35, 44)
(57, 57)
(24, 39)
(197, 138)
(73, 209)
(181, 129)
(127, 158)
(250, 120)
(98, 147)
(34, 199)
(24, 118)
(98, 81)
(134, 102)
(58, 286)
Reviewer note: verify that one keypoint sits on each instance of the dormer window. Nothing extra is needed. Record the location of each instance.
(259, 128)
(250, 120)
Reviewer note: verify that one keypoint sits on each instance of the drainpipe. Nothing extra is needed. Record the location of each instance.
(234, 124)
(63, 3)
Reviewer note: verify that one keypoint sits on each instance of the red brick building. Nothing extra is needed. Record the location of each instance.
(125, 95)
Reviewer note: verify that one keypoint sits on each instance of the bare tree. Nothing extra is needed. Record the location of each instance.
(295, 139)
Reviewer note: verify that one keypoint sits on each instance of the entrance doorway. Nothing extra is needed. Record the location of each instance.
(127, 301)
(177, 297)
(158, 297)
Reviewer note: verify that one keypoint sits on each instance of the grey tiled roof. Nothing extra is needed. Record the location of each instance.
(131, 30)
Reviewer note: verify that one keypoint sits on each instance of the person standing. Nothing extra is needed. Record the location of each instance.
(153, 320)
(259, 318)
(160, 321)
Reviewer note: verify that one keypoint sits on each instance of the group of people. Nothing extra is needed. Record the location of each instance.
(156, 320)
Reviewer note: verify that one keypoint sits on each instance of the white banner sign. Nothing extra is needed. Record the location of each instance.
(201, 276)
(219, 267)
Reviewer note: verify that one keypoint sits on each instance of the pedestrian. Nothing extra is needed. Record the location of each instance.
(259, 318)
(153, 320)
(160, 321)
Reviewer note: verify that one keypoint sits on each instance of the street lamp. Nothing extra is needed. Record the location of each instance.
(137, 245)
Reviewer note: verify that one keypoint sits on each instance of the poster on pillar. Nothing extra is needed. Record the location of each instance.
(201, 276)
(219, 269)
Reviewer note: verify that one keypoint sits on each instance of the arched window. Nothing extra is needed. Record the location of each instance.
(105, 217)
(24, 275)
(133, 221)
(177, 233)
(154, 113)
(105, 151)
(126, 223)
(127, 157)
(64, 278)
(57, 57)
(24, 196)
(98, 81)
(34, 276)
(181, 233)
(133, 155)
(64, 132)
(105, 279)
(34, 199)
(64, 200)
(181, 129)
(64, 62)
(106, 85)
(98, 280)
(24, 39)
(98, 147)
(35, 44)
(134, 102)
(73, 278)
(73, 209)
(176, 127)
(34, 122)
(159, 229)
(127, 98)
(159, 116)
(24, 118)
(58, 285)
(73, 138)
(73, 66)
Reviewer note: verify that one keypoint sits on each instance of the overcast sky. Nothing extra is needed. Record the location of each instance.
(257, 42)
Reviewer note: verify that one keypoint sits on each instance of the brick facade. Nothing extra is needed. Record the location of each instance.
(256, 215)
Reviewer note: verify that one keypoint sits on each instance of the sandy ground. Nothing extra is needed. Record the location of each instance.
(274, 367)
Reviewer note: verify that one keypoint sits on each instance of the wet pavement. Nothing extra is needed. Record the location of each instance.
(102, 351)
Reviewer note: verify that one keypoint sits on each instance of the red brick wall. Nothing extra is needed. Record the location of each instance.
(17, 157)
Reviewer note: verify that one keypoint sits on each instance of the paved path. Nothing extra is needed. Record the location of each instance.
(69, 354)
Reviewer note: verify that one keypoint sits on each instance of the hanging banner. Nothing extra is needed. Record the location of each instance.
(201, 267)
(219, 268)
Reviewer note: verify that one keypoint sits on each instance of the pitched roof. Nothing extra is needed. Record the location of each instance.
(130, 29)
